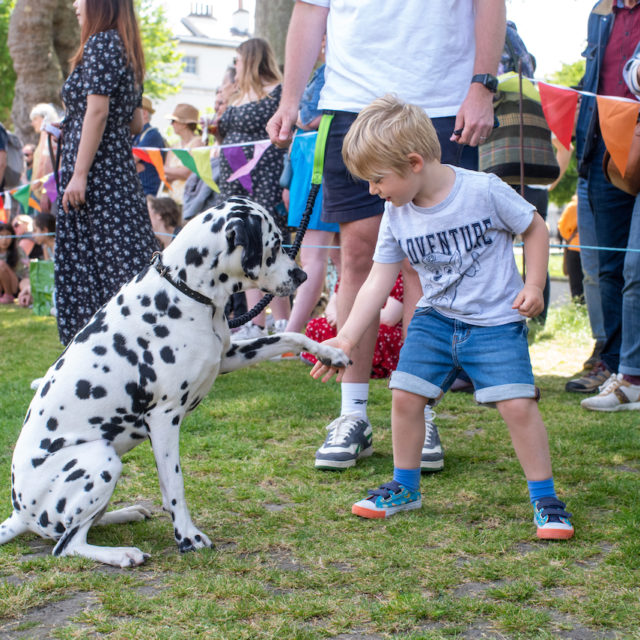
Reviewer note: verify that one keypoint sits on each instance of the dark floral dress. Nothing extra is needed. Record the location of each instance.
(247, 123)
(104, 243)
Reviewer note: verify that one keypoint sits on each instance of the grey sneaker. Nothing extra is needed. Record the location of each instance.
(591, 382)
(432, 459)
(350, 437)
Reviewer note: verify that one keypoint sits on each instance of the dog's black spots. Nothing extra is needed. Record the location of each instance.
(120, 347)
(142, 342)
(98, 392)
(99, 350)
(106, 476)
(59, 364)
(207, 217)
(44, 520)
(110, 431)
(83, 389)
(176, 420)
(177, 534)
(96, 420)
(70, 465)
(161, 331)
(212, 283)
(232, 351)
(184, 399)
(45, 389)
(166, 353)
(64, 541)
(120, 299)
(121, 410)
(147, 356)
(217, 225)
(198, 538)
(161, 300)
(184, 385)
(54, 446)
(150, 318)
(147, 374)
(140, 399)
(62, 503)
(88, 486)
(95, 326)
(182, 274)
(194, 257)
(14, 499)
(26, 418)
(36, 462)
(237, 287)
(223, 277)
(106, 369)
(116, 420)
(125, 311)
(186, 545)
(137, 436)
(174, 313)
(59, 528)
(52, 424)
(194, 403)
(177, 468)
(75, 475)
(145, 301)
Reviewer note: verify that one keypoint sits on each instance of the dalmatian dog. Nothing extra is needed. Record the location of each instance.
(138, 367)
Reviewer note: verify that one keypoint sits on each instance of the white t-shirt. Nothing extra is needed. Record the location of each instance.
(421, 50)
(462, 248)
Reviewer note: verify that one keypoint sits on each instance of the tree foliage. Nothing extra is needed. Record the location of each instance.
(7, 74)
(163, 61)
(568, 76)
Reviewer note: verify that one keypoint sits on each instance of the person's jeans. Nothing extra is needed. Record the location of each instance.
(589, 260)
(630, 349)
(612, 209)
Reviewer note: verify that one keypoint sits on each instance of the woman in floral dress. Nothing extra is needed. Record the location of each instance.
(104, 236)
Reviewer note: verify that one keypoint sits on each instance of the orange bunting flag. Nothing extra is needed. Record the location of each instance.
(3, 213)
(617, 123)
(559, 107)
(154, 157)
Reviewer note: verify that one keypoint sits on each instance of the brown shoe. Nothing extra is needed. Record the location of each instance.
(590, 382)
(593, 359)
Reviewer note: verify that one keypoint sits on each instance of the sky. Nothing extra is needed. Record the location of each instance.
(554, 31)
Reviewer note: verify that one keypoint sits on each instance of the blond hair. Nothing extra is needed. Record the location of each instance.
(260, 69)
(384, 134)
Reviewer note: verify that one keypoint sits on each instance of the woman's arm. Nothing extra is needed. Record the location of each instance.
(95, 120)
(136, 123)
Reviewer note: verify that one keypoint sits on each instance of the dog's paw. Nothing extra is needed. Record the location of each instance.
(196, 540)
(331, 357)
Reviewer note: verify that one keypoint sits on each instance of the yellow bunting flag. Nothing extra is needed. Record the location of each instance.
(617, 123)
(201, 157)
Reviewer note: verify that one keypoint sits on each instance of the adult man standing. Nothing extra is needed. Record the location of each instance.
(148, 137)
(613, 33)
(440, 55)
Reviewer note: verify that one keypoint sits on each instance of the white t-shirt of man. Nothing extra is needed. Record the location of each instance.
(421, 50)
(462, 248)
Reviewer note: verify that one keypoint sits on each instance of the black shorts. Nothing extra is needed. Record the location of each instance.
(345, 198)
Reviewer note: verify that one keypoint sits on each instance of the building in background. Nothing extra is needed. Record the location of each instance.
(207, 38)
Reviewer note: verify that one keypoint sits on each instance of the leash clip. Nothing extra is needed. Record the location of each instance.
(156, 258)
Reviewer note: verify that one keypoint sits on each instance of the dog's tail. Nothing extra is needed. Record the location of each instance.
(11, 527)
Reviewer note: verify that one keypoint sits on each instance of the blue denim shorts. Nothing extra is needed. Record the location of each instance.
(496, 359)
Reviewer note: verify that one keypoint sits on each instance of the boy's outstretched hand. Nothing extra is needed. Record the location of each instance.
(529, 302)
(326, 371)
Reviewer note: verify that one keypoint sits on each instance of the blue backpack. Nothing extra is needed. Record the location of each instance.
(15, 159)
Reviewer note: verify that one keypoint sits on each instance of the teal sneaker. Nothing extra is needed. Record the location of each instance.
(386, 501)
(552, 520)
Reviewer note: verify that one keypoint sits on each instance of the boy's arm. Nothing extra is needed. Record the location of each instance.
(370, 299)
(529, 302)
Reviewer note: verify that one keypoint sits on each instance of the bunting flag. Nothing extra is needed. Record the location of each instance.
(245, 170)
(50, 187)
(510, 82)
(186, 158)
(236, 159)
(153, 157)
(202, 159)
(21, 194)
(617, 122)
(34, 200)
(559, 106)
(3, 214)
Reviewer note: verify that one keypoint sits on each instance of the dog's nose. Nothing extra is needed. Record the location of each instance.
(298, 276)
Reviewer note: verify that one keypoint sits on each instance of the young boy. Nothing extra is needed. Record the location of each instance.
(456, 227)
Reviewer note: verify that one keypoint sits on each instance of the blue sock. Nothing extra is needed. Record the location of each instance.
(541, 489)
(408, 478)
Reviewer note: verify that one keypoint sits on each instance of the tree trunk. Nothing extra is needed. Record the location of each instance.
(43, 34)
(271, 23)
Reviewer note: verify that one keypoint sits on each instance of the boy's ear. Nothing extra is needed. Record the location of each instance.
(416, 162)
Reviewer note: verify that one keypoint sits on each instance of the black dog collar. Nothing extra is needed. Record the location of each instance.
(156, 262)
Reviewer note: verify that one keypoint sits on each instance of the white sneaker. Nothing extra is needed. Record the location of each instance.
(248, 331)
(432, 458)
(280, 326)
(616, 394)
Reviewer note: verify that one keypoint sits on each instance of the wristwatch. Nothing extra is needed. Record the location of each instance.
(487, 80)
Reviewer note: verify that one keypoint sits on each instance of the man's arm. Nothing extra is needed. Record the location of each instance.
(304, 39)
(475, 116)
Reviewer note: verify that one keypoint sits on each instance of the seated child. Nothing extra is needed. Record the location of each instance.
(388, 343)
(166, 218)
(456, 227)
(14, 266)
(44, 229)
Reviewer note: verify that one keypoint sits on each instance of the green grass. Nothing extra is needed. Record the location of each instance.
(291, 562)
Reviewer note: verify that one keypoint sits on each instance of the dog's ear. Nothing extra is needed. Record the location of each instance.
(246, 232)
